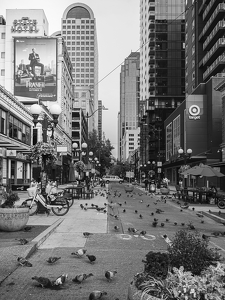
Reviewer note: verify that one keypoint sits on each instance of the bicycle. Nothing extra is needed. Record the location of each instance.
(55, 202)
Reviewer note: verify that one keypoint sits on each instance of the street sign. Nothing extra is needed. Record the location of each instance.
(61, 148)
(130, 174)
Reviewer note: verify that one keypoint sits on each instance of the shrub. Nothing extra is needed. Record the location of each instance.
(189, 250)
(156, 264)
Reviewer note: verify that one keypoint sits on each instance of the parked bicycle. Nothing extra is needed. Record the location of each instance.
(53, 201)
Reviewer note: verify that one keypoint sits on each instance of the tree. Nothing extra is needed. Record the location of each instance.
(101, 149)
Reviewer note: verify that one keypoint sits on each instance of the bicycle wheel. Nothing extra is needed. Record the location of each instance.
(70, 201)
(34, 208)
(62, 209)
(221, 203)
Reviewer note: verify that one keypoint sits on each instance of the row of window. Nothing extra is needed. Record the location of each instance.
(78, 27)
(17, 129)
(84, 80)
(81, 48)
(77, 32)
(77, 37)
(84, 75)
(82, 53)
(80, 43)
(73, 21)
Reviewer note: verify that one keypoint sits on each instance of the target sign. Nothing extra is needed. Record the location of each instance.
(194, 110)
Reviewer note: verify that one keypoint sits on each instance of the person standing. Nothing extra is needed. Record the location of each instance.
(146, 183)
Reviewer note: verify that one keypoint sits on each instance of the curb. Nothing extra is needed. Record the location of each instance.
(215, 218)
(36, 242)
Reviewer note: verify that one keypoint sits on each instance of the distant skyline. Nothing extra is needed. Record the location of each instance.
(117, 23)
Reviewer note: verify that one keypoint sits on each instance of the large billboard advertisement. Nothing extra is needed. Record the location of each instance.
(35, 65)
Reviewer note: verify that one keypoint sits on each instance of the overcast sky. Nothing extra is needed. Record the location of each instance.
(118, 34)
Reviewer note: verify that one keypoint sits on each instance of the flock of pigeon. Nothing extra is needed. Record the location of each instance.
(109, 274)
(57, 283)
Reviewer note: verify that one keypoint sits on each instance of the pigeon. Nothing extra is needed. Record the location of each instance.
(27, 228)
(116, 228)
(143, 232)
(81, 206)
(154, 224)
(162, 224)
(167, 220)
(110, 274)
(136, 211)
(81, 277)
(92, 258)
(43, 281)
(140, 216)
(23, 241)
(132, 230)
(79, 253)
(124, 210)
(87, 234)
(205, 237)
(96, 295)
(24, 262)
(60, 280)
(52, 259)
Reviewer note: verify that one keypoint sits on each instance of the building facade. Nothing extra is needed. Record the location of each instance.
(48, 81)
(162, 71)
(129, 104)
(78, 29)
(204, 55)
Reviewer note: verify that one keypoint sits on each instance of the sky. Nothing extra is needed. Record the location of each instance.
(118, 31)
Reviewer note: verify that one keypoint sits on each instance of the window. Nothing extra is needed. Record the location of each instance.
(3, 35)
(19, 131)
(3, 122)
(2, 54)
(2, 72)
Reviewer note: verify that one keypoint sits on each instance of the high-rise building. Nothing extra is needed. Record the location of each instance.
(79, 32)
(162, 71)
(129, 105)
(205, 42)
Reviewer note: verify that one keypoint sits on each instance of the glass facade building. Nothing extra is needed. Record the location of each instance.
(162, 70)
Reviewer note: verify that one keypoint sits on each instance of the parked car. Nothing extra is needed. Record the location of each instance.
(112, 178)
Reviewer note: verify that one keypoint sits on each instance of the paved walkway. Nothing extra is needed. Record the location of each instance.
(67, 231)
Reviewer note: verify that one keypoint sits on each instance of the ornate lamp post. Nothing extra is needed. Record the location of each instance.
(186, 156)
(47, 130)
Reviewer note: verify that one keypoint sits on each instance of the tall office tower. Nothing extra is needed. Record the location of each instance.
(162, 70)
(204, 41)
(79, 32)
(129, 104)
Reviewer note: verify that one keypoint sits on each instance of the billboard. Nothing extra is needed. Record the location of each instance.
(35, 68)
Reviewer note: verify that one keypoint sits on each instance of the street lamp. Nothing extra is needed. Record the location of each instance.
(47, 125)
(47, 130)
(186, 155)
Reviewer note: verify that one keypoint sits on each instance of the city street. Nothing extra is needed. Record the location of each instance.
(119, 239)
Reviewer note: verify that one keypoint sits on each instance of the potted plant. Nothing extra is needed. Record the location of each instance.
(12, 217)
(189, 269)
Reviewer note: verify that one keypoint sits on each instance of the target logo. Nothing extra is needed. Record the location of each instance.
(194, 111)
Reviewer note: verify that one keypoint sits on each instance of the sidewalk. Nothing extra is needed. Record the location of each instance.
(42, 226)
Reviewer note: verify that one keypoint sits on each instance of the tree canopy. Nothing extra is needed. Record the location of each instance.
(101, 150)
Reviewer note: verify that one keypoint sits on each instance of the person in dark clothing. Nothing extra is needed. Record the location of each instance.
(34, 59)
(146, 184)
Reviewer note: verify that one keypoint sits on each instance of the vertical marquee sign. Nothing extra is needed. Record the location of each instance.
(35, 65)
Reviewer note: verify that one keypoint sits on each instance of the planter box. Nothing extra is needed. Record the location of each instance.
(13, 219)
(135, 294)
(129, 188)
(165, 191)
